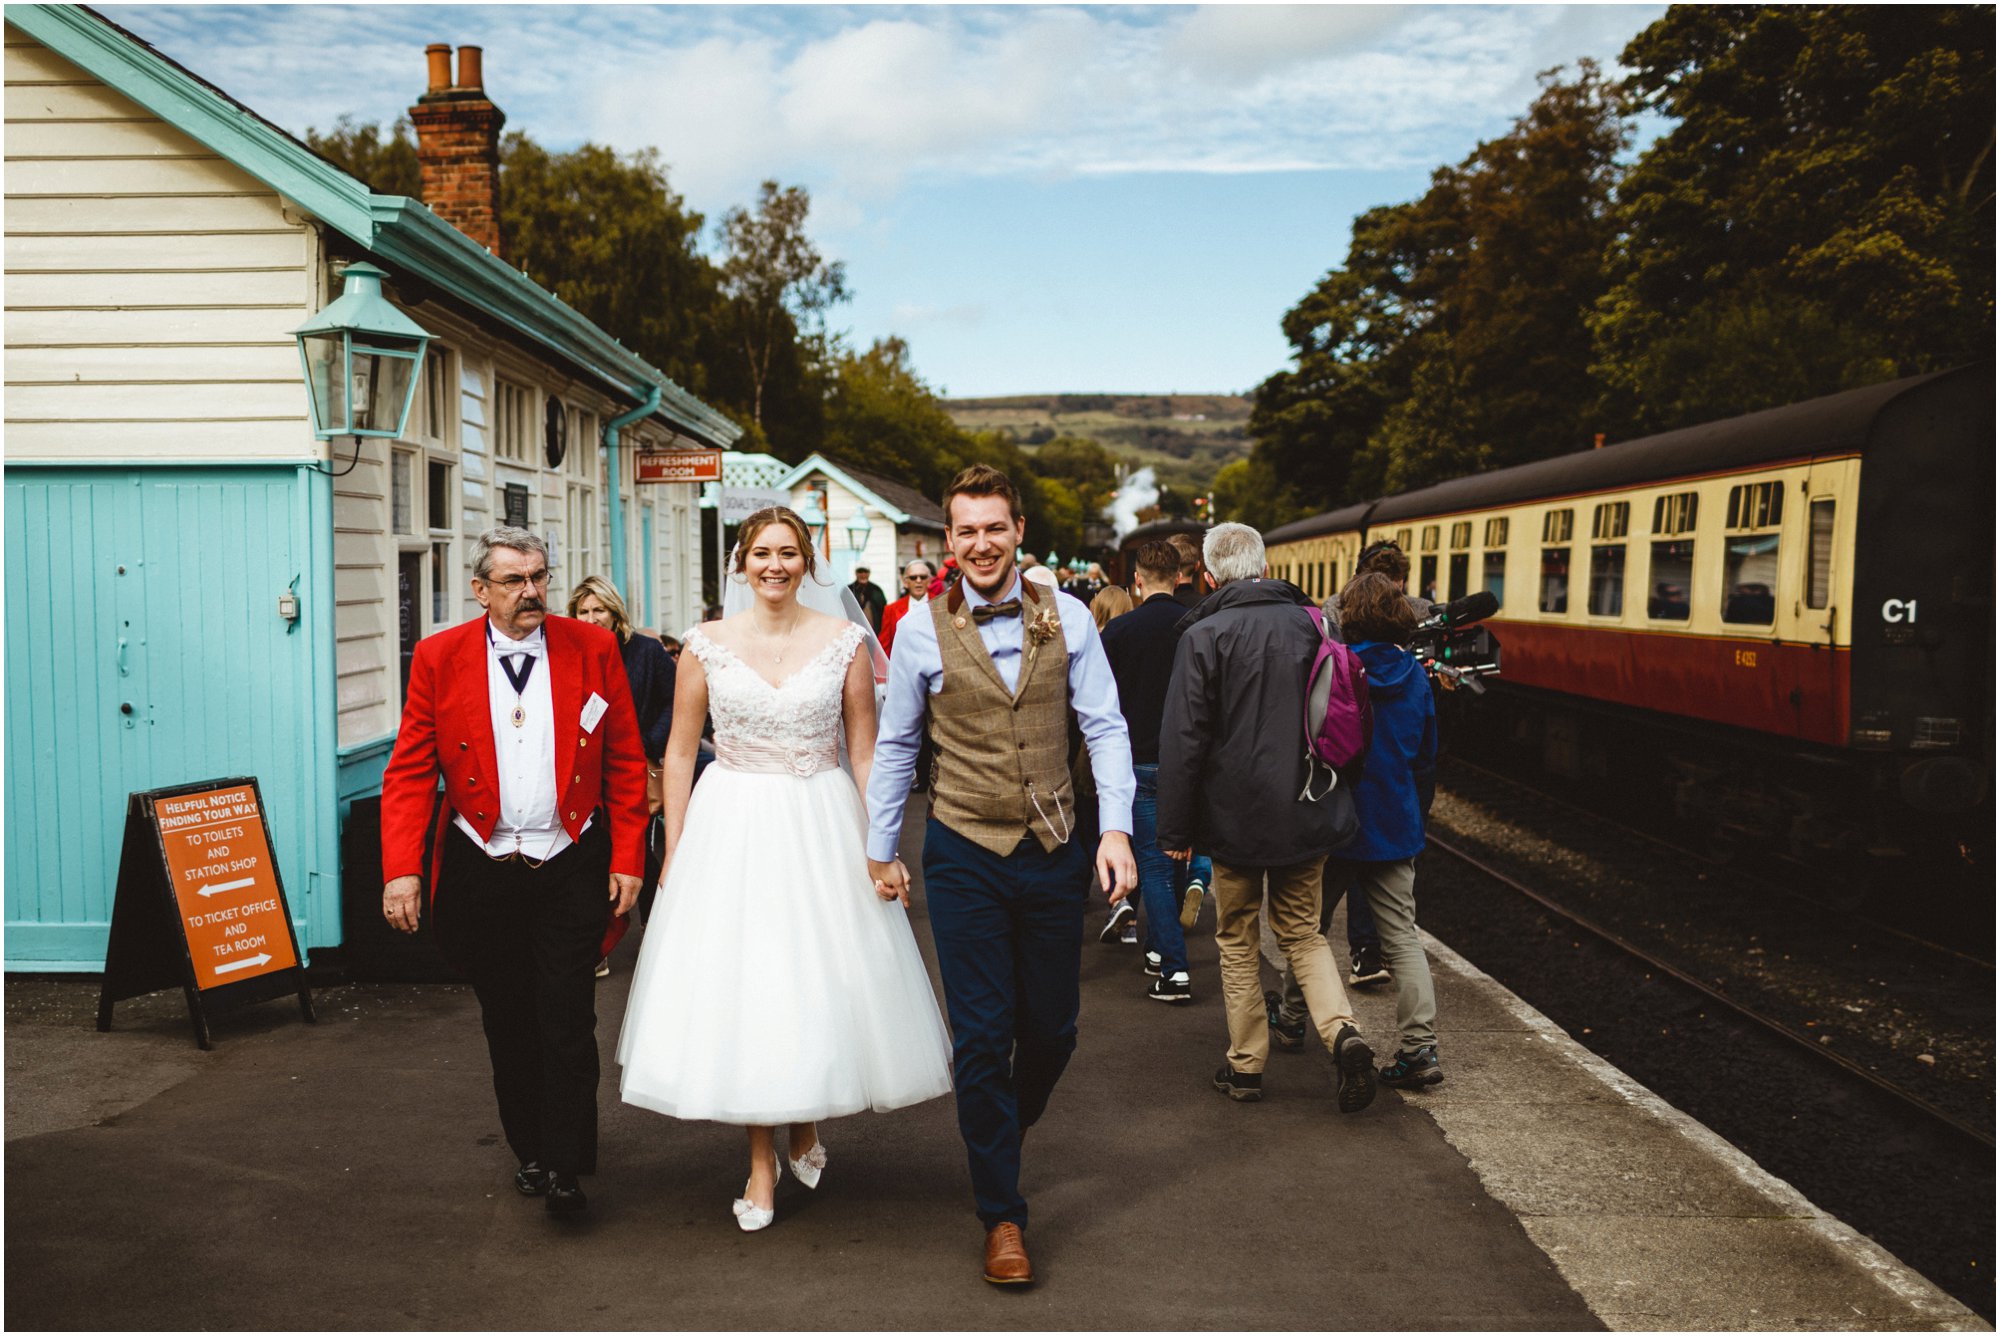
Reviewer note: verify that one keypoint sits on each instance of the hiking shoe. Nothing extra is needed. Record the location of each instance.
(1191, 904)
(1153, 963)
(1173, 987)
(1354, 1064)
(1368, 968)
(1411, 1071)
(1246, 1087)
(1123, 916)
(1288, 1035)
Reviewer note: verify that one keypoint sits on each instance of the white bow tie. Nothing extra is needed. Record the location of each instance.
(507, 649)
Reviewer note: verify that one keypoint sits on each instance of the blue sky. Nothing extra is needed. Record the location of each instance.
(1115, 198)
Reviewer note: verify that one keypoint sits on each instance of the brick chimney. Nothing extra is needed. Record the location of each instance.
(458, 145)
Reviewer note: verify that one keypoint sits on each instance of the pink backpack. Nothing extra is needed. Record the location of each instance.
(1339, 721)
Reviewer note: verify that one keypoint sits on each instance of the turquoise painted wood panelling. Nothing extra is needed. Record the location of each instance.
(158, 589)
(649, 562)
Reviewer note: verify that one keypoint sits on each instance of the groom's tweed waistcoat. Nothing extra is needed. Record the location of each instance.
(999, 753)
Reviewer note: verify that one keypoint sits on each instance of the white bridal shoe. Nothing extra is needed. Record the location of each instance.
(751, 1217)
(808, 1166)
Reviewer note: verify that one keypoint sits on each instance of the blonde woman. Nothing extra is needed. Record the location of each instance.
(1111, 601)
(651, 673)
(776, 988)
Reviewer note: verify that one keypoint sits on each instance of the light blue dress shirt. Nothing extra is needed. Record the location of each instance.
(916, 672)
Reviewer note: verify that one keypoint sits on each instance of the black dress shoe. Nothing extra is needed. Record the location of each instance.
(565, 1196)
(531, 1180)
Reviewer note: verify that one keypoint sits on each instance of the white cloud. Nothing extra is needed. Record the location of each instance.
(855, 102)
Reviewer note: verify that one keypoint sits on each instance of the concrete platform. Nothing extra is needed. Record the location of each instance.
(350, 1175)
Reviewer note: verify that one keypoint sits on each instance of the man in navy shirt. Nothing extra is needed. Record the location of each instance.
(1140, 646)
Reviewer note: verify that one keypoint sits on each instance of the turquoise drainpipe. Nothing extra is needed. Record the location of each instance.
(611, 430)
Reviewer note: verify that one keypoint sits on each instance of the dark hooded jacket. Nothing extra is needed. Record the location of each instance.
(1391, 795)
(1233, 741)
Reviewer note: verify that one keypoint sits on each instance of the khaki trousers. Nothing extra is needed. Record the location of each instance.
(1294, 908)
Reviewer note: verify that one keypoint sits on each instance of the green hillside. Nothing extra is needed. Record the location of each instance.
(1185, 437)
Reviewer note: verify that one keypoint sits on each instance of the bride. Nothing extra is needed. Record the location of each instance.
(774, 988)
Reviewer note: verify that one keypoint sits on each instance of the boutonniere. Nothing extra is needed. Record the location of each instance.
(1044, 626)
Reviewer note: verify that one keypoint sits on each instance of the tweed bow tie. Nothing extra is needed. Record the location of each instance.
(986, 612)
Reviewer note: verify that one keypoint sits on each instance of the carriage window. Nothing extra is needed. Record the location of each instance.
(1675, 513)
(1555, 579)
(1430, 538)
(1494, 577)
(1756, 505)
(1461, 571)
(1427, 583)
(1403, 539)
(1496, 532)
(1461, 534)
(1749, 577)
(1750, 560)
(1607, 580)
(1556, 526)
(1819, 554)
(1610, 519)
(1672, 577)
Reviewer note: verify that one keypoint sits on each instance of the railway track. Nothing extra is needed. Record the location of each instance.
(1750, 1014)
(1855, 1066)
(1790, 887)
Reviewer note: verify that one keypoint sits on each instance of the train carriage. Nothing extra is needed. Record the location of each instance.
(1817, 576)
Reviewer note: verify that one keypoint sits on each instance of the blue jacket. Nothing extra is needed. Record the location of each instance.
(1402, 757)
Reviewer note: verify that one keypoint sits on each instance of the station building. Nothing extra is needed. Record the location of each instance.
(197, 587)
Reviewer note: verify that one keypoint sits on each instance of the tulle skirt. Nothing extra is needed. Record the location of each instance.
(773, 985)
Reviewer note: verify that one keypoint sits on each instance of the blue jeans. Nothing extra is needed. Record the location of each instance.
(1161, 880)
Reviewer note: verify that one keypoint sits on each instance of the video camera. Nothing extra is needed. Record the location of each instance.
(1454, 651)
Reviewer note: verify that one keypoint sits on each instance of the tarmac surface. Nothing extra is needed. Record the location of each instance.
(350, 1175)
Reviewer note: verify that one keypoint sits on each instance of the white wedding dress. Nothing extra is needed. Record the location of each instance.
(774, 985)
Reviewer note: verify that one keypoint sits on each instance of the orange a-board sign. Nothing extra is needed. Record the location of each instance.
(200, 903)
(680, 465)
(219, 865)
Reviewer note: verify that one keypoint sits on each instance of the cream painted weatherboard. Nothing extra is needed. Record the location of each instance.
(150, 285)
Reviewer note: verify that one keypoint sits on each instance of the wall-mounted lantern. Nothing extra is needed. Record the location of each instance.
(360, 357)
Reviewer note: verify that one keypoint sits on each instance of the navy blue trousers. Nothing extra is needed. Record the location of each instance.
(1009, 934)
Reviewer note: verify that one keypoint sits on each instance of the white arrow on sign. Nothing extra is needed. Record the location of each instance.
(259, 959)
(220, 887)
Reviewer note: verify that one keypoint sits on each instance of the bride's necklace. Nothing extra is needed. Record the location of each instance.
(777, 654)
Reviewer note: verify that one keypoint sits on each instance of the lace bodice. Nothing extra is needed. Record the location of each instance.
(794, 726)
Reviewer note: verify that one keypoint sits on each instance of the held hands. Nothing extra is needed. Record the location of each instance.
(892, 880)
(624, 893)
(1117, 870)
(399, 902)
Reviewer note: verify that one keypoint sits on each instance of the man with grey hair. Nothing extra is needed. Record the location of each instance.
(1232, 783)
(917, 577)
(539, 840)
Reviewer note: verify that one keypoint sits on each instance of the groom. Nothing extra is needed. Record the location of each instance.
(999, 664)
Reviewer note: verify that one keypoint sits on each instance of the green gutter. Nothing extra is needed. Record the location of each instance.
(611, 430)
(400, 230)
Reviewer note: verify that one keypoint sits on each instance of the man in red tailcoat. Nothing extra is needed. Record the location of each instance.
(540, 840)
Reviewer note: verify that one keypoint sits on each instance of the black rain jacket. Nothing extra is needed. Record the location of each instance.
(1233, 742)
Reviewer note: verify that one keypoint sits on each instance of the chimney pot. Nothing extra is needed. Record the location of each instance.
(438, 54)
(469, 73)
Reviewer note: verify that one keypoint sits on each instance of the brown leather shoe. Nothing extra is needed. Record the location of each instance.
(1007, 1256)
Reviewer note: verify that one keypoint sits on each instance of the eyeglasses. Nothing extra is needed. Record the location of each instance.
(514, 583)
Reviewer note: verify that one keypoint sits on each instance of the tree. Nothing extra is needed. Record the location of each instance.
(1082, 465)
(881, 416)
(1820, 215)
(776, 279)
(1477, 290)
(386, 164)
(609, 236)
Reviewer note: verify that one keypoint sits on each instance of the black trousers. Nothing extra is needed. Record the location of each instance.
(528, 940)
